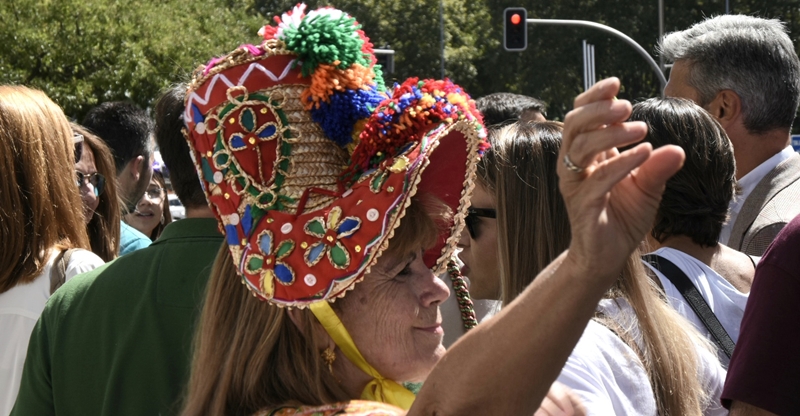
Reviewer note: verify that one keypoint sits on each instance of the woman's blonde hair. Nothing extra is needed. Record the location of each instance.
(520, 169)
(103, 228)
(249, 355)
(40, 205)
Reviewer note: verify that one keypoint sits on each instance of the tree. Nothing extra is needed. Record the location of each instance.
(83, 52)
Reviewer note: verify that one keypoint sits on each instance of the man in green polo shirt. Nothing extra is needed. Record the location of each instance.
(117, 340)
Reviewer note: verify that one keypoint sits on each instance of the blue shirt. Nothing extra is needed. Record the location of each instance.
(130, 239)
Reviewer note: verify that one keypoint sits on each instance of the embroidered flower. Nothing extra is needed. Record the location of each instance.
(270, 263)
(331, 233)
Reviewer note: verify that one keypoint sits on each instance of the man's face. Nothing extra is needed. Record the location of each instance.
(678, 85)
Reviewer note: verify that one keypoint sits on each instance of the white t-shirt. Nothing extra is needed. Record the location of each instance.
(451, 313)
(746, 185)
(609, 377)
(20, 308)
(725, 301)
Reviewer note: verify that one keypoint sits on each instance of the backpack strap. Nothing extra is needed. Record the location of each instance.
(694, 299)
(58, 272)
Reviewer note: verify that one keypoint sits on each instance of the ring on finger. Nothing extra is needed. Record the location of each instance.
(571, 166)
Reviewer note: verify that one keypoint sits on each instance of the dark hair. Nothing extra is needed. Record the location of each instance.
(124, 127)
(103, 229)
(174, 148)
(695, 202)
(503, 108)
(752, 56)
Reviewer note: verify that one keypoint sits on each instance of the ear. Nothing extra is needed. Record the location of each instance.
(302, 317)
(726, 107)
(135, 167)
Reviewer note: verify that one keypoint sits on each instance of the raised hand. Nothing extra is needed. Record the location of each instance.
(561, 401)
(611, 197)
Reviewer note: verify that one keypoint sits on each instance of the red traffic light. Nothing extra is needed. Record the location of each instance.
(515, 29)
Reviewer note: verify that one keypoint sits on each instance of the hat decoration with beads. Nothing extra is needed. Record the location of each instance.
(309, 165)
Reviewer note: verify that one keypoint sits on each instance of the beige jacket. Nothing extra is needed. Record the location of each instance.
(771, 205)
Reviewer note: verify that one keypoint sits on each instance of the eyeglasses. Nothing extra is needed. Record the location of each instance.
(97, 180)
(155, 195)
(472, 219)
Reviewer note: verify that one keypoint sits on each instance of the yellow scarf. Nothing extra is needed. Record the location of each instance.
(379, 389)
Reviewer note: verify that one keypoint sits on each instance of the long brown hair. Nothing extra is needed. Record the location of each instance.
(103, 228)
(520, 169)
(40, 206)
(249, 355)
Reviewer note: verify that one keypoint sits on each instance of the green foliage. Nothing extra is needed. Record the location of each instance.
(83, 52)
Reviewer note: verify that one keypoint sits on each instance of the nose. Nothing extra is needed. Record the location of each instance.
(431, 290)
(463, 239)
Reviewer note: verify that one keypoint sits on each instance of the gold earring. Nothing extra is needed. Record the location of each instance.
(329, 357)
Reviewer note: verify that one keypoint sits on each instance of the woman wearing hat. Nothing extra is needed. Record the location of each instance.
(341, 236)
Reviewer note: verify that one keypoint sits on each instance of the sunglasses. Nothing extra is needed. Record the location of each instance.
(97, 180)
(472, 219)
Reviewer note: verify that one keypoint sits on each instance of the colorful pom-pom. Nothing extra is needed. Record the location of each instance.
(326, 37)
(414, 107)
(339, 114)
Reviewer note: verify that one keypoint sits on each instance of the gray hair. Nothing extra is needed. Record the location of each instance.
(752, 56)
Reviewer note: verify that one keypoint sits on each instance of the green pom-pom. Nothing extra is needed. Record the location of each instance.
(323, 39)
(380, 85)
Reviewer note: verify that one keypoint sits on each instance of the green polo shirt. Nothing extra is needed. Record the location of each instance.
(117, 340)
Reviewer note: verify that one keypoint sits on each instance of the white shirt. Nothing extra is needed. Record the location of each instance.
(451, 313)
(609, 377)
(746, 185)
(20, 308)
(725, 301)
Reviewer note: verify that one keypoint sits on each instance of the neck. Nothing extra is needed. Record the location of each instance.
(685, 244)
(350, 377)
(751, 150)
(199, 212)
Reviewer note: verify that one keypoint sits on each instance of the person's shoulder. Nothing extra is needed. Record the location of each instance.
(118, 272)
(131, 239)
(82, 261)
(600, 344)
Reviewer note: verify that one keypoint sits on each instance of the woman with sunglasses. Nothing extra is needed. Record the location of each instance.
(637, 356)
(95, 174)
(152, 212)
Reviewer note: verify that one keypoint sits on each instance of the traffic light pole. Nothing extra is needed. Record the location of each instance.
(611, 30)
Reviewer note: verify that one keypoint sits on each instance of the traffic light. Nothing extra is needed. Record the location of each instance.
(515, 29)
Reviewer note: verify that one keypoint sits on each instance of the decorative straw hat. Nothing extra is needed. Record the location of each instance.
(309, 165)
